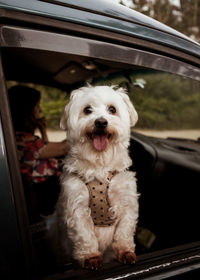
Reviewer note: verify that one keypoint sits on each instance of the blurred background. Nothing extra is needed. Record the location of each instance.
(183, 15)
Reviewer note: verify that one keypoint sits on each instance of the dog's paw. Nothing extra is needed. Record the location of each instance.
(93, 263)
(127, 257)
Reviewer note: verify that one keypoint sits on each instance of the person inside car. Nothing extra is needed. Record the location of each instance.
(38, 157)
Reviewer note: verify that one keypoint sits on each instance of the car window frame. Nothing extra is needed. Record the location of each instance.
(19, 37)
(19, 246)
(27, 19)
(12, 36)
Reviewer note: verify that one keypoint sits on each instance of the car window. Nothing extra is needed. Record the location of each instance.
(167, 104)
(164, 144)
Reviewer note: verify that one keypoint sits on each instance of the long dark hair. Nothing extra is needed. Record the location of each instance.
(22, 102)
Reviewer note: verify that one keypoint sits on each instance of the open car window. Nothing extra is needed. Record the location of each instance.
(164, 146)
(167, 103)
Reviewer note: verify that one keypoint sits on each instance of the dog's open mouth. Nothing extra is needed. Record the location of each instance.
(100, 140)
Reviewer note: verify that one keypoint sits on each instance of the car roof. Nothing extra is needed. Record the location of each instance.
(106, 15)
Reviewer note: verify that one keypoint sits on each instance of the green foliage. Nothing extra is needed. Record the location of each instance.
(167, 102)
(52, 104)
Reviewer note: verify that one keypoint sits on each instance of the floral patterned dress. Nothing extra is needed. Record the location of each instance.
(34, 169)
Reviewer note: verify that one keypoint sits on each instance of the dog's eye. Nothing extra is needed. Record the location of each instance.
(87, 110)
(112, 109)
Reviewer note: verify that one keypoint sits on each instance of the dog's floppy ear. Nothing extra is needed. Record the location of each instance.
(132, 112)
(64, 118)
(65, 115)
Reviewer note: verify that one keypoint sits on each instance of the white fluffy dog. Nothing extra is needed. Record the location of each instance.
(98, 205)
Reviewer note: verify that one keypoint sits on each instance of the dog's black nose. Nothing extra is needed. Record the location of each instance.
(101, 123)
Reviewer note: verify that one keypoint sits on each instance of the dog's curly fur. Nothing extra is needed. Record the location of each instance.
(98, 121)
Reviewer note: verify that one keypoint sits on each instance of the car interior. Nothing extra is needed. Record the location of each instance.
(167, 169)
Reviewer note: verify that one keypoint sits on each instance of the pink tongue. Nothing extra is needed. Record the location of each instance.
(100, 142)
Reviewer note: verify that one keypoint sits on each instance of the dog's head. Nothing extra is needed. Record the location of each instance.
(99, 115)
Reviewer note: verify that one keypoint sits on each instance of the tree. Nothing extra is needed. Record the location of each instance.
(161, 10)
(184, 17)
(190, 11)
